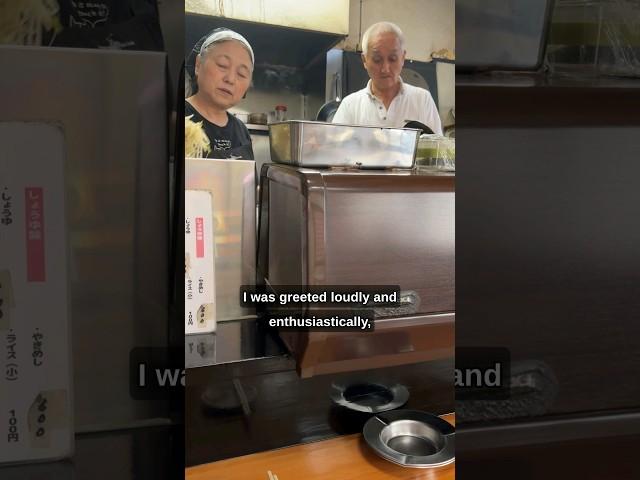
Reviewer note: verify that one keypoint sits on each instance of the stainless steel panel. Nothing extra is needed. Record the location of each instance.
(323, 227)
(361, 228)
(318, 144)
(112, 109)
(395, 238)
(395, 341)
(261, 148)
(233, 187)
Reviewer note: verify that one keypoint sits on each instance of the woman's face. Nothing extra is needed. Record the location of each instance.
(224, 73)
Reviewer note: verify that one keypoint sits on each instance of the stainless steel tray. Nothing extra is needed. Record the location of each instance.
(319, 144)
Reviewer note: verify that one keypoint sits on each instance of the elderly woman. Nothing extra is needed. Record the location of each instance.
(222, 70)
(387, 101)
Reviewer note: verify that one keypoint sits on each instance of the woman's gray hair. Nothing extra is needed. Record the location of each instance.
(378, 28)
(223, 35)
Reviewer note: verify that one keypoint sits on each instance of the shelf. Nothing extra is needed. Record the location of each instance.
(443, 60)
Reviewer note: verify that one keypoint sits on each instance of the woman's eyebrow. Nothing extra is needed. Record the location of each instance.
(228, 57)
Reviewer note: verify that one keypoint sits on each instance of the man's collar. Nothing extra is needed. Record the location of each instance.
(370, 92)
(402, 89)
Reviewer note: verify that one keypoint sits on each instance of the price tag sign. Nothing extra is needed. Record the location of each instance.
(35, 352)
(199, 282)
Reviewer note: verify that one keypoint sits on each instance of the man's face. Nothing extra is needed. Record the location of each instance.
(224, 75)
(384, 61)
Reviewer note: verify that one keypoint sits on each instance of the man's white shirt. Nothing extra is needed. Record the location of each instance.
(411, 103)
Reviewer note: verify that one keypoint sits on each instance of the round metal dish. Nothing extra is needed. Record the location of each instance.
(369, 397)
(411, 438)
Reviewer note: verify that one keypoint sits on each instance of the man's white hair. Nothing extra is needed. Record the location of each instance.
(379, 28)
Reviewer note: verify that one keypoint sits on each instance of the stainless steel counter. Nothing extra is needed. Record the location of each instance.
(233, 341)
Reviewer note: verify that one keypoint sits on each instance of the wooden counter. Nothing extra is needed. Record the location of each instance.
(342, 458)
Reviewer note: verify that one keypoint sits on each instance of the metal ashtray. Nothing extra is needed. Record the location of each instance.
(411, 438)
(369, 397)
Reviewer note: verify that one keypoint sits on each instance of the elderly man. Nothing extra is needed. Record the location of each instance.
(387, 101)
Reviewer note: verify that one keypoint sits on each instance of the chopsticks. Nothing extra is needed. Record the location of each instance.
(272, 476)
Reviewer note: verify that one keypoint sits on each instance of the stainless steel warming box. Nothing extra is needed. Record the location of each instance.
(354, 227)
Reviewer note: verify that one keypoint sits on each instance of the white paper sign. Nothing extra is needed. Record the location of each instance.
(199, 282)
(36, 421)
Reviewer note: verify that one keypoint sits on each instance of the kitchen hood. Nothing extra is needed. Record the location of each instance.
(272, 44)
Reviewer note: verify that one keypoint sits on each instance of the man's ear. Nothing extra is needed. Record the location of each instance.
(364, 61)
